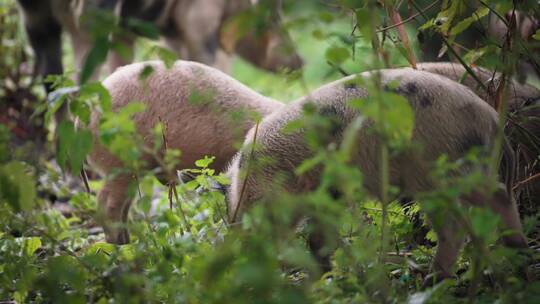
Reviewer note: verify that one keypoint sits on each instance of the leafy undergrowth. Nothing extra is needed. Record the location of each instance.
(184, 252)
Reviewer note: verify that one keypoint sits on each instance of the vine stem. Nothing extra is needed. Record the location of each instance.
(384, 198)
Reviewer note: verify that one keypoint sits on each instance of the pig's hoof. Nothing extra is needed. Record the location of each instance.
(119, 237)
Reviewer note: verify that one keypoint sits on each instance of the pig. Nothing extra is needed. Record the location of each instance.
(191, 28)
(524, 107)
(449, 119)
(196, 128)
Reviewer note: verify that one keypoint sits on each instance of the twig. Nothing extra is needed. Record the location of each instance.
(527, 180)
(235, 213)
(339, 69)
(409, 19)
(84, 178)
(396, 19)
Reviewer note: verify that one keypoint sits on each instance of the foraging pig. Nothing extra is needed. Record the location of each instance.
(449, 119)
(197, 128)
(524, 108)
(192, 28)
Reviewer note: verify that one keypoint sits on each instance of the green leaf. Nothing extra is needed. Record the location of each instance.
(484, 223)
(30, 245)
(365, 26)
(167, 56)
(222, 179)
(465, 23)
(96, 57)
(536, 35)
(326, 17)
(127, 252)
(81, 110)
(73, 146)
(146, 72)
(205, 162)
(337, 55)
(100, 247)
(143, 28)
(96, 88)
(473, 55)
(17, 186)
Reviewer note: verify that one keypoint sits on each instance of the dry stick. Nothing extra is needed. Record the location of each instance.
(451, 49)
(396, 19)
(525, 181)
(84, 178)
(409, 19)
(250, 159)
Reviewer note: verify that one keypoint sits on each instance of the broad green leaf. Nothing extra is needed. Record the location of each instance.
(127, 252)
(73, 146)
(143, 28)
(222, 179)
(96, 56)
(326, 17)
(98, 247)
(17, 186)
(205, 162)
(484, 223)
(167, 56)
(96, 88)
(536, 35)
(146, 72)
(465, 23)
(337, 54)
(30, 245)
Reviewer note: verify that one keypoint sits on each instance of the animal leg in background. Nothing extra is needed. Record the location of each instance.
(45, 35)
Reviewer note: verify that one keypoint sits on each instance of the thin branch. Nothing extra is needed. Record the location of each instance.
(409, 19)
(84, 178)
(525, 181)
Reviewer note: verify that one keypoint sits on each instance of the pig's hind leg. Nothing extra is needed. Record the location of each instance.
(114, 202)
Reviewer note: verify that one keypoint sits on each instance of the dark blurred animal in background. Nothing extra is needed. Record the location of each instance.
(192, 28)
(488, 29)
